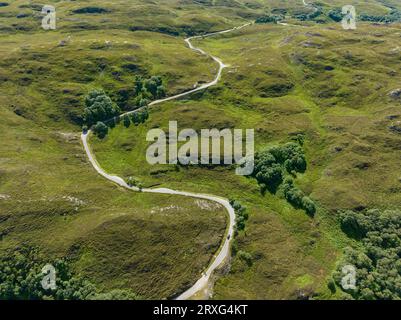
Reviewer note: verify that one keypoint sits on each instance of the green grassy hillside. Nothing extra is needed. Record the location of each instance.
(334, 100)
(51, 198)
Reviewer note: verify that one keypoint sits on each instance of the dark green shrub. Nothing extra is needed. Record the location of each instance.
(91, 10)
(297, 198)
(21, 277)
(126, 121)
(99, 107)
(140, 116)
(308, 205)
(269, 19)
(245, 256)
(331, 285)
(101, 130)
(271, 166)
(336, 15)
(377, 258)
(270, 177)
(241, 215)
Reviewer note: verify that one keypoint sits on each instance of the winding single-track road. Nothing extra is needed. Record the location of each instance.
(224, 251)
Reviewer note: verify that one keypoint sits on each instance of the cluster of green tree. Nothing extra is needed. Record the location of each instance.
(377, 258)
(137, 117)
(335, 15)
(134, 182)
(271, 163)
(148, 89)
(297, 198)
(99, 107)
(274, 164)
(305, 16)
(91, 10)
(21, 279)
(202, 27)
(393, 16)
(241, 215)
(172, 31)
(101, 130)
(279, 15)
(273, 18)
(144, 90)
(101, 113)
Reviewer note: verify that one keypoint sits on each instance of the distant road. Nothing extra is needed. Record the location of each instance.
(224, 251)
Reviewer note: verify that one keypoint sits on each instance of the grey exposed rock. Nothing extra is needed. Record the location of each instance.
(395, 94)
(396, 127)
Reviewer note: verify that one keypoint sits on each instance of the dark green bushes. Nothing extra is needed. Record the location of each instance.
(148, 89)
(101, 130)
(273, 164)
(336, 15)
(317, 12)
(291, 155)
(269, 19)
(99, 107)
(102, 111)
(143, 91)
(377, 259)
(21, 277)
(297, 198)
(139, 117)
(393, 16)
(91, 10)
(172, 31)
(277, 89)
(241, 215)
(126, 121)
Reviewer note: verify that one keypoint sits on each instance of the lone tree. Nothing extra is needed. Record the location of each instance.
(126, 121)
(99, 107)
(135, 118)
(101, 130)
(138, 83)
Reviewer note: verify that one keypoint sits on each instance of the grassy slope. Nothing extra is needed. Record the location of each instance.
(43, 163)
(57, 202)
(288, 246)
(329, 106)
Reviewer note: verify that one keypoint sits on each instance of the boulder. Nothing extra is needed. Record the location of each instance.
(395, 94)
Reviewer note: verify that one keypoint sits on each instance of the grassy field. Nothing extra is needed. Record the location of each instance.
(53, 199)
(50, 195)
(335, 101)
(330, 85)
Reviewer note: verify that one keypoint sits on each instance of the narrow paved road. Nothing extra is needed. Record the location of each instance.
(224, 251)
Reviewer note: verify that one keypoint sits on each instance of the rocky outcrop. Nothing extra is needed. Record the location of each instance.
(395, 94)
